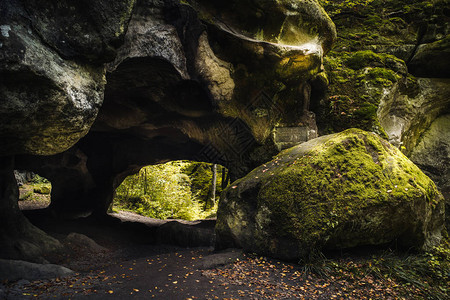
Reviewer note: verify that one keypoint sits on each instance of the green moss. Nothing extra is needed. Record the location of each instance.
(362, 59)
(358, 81)
(26, 196)
(364, 23)
(312, 195)
(333, 181)
(367, 58)
(44, 188)
(381, 77)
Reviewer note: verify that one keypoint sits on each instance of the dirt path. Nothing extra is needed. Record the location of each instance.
(130, 270)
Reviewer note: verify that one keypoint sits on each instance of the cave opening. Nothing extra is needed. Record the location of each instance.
(34, 190)
(182, 189)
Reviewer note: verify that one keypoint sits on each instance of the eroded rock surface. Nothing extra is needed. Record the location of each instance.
(176, 80)
(432, 155)
(51, 88)
(337, 191)
(405, 114)
(191, 83)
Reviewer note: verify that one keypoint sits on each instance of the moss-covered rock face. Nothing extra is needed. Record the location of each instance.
(333, 192)
(432, 60)
(386, 34)
(357, 83)
(391, 26)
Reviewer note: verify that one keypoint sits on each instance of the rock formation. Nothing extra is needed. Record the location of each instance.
(333, 192)
(174, 80)
(92, 91)
(388, 73)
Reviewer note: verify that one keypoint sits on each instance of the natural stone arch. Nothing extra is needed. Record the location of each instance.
(214, 119)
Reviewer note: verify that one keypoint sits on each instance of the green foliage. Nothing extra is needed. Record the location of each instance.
(200, 175)
(167, 191)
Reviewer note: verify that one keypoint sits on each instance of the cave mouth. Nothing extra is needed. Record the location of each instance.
(34, 190)
(182, 189)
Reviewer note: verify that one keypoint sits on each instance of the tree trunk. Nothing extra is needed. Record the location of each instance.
(213, 184)
(225, 178)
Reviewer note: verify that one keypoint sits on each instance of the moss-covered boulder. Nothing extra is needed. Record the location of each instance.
(337, 191)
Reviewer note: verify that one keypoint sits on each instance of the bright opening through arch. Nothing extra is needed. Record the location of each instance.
(34, 190)
(185, 190)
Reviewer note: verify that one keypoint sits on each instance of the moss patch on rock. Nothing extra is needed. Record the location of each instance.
(381, 35)
(337, 191)
(358, 81)
(387, 25)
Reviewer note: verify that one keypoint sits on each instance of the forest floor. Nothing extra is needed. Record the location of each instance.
(131, 269)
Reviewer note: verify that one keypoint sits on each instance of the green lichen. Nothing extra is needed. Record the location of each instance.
(125, 18)
(44, 188)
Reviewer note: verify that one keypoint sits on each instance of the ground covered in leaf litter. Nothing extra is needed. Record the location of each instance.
(135, 271)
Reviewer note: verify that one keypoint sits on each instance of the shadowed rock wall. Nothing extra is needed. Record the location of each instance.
(92, 91)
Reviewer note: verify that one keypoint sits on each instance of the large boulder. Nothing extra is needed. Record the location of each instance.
(337, 191)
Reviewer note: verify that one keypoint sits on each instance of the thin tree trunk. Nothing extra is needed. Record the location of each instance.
(145, 182)
(213, 186)
(224, 178)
